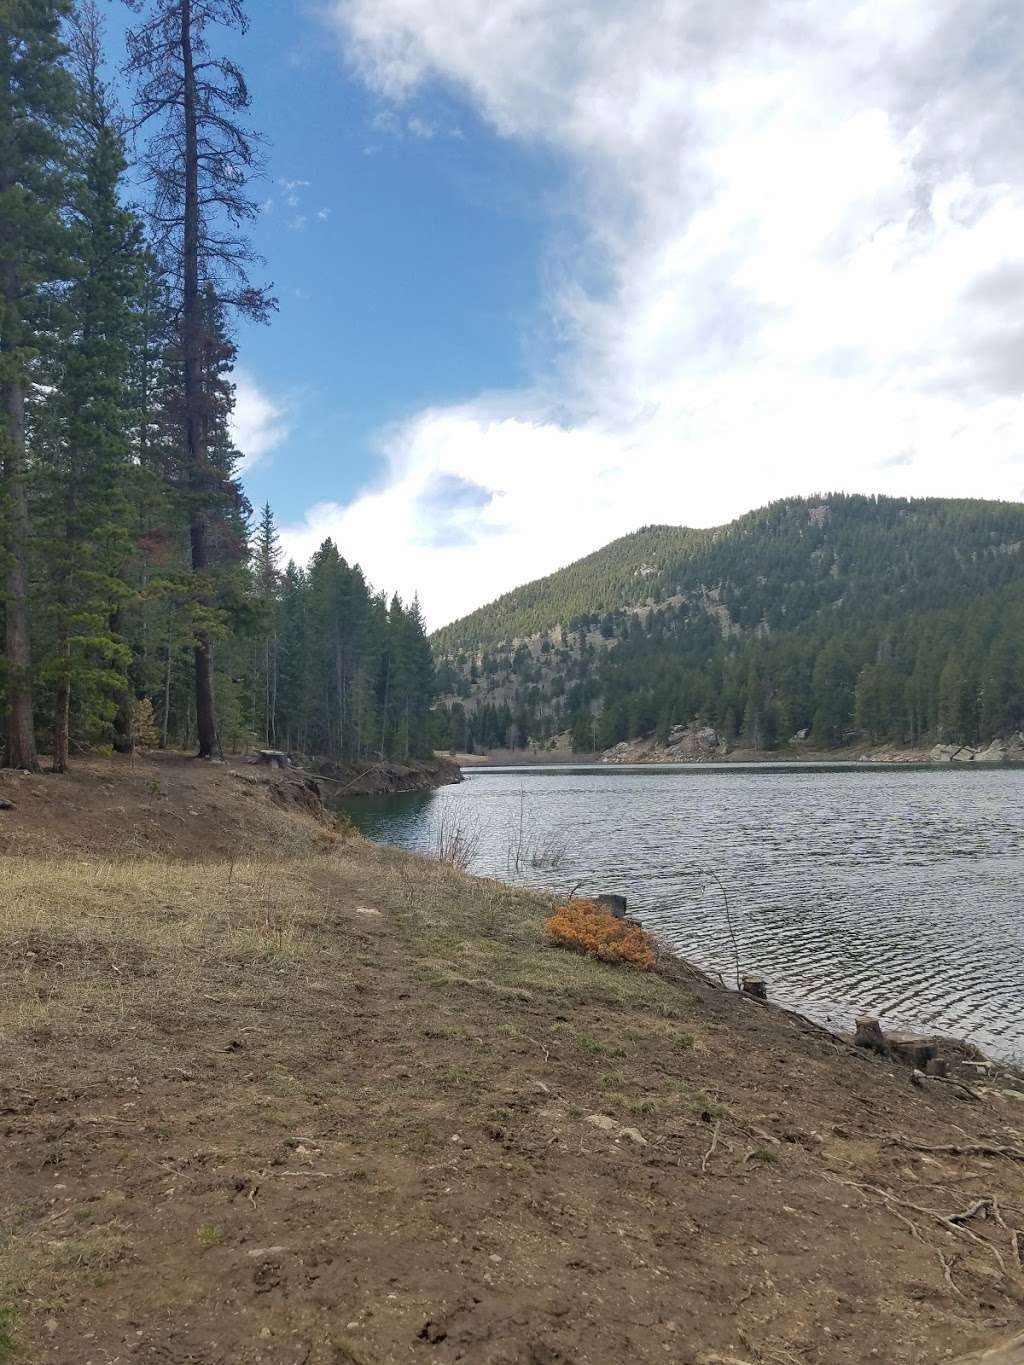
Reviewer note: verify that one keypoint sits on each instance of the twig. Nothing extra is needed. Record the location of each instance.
(711, 1150)
(728, 920)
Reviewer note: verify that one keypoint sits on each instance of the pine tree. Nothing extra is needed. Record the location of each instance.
(36, 102)
(267, 584)
(200, 160)
(83, 509)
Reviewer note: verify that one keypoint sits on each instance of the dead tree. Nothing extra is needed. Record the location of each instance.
(199, 160)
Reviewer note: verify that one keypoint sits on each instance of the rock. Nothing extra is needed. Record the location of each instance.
(616, 904)
(258, 1253)
(603, 1122)
(943, 753)
(995, 753)
(634, 1135)
(755, 986)
(976, 1071)
(937, 1066)
(7, 805)
(912, 1049)
(800, 736)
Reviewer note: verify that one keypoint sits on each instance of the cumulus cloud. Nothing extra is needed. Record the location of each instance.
(258, 424)
(808, 228)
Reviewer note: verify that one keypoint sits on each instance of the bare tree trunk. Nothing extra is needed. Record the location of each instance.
(167, 683)
(21, 738)
(198, 465)
(273, 694)
(62, 710)
(339, 680)
(384, 709)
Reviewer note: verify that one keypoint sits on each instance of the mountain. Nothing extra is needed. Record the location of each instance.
(848, 616)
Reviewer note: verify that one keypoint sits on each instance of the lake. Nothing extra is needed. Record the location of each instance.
(894, 891)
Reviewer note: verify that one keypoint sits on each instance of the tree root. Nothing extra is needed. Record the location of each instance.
(711, 1150)
(958, 1149)
(955, 1223)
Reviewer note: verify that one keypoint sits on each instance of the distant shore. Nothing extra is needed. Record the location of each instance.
(646, 752)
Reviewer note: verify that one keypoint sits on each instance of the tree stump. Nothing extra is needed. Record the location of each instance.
(272, 758)
(755, 986)
(869, 1034)
(616, 904)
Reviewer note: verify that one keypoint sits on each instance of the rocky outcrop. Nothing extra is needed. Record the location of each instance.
(685, 744)
(998, 751)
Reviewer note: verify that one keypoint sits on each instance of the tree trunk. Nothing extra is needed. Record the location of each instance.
(21, 739)
(62, 711)
(273, 695)
(192, 347)
(123, 715)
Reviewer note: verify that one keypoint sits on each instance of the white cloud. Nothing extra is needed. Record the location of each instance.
(810, 228)
(258, 424)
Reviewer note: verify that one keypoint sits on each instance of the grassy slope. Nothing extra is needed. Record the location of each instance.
(246, 1121)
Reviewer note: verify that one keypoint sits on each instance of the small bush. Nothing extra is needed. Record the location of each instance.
(587, 927)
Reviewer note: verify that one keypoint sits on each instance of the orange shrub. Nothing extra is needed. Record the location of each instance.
(587, 927)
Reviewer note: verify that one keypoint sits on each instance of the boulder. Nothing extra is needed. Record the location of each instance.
(995, 753)
(960, 753)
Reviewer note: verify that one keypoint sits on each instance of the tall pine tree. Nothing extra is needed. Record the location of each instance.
(36, 102)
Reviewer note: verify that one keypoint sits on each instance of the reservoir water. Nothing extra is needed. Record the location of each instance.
(896, 891)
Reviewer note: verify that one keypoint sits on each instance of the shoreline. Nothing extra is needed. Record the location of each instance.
(272, 1087)
(856, 756)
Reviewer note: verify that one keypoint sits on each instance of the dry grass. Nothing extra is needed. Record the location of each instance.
(98, 949)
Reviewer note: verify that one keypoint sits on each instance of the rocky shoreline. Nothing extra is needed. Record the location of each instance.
(703, 744)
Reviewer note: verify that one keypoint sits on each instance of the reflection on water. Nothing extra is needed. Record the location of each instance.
(896, 892)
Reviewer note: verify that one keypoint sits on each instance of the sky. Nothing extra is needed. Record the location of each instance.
(551, 270)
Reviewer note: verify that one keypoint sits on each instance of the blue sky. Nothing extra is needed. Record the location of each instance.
(405, 251)
(551, 272)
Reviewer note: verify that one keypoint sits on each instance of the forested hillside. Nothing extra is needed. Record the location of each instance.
(139, 602)
(850, 617)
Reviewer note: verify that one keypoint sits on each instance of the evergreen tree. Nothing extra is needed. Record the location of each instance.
(36, 103)
(200, 159)
(82, 508)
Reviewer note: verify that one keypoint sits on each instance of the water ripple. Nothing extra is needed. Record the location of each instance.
(896, 892)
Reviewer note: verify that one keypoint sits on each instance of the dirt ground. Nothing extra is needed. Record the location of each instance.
(271, 1094)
